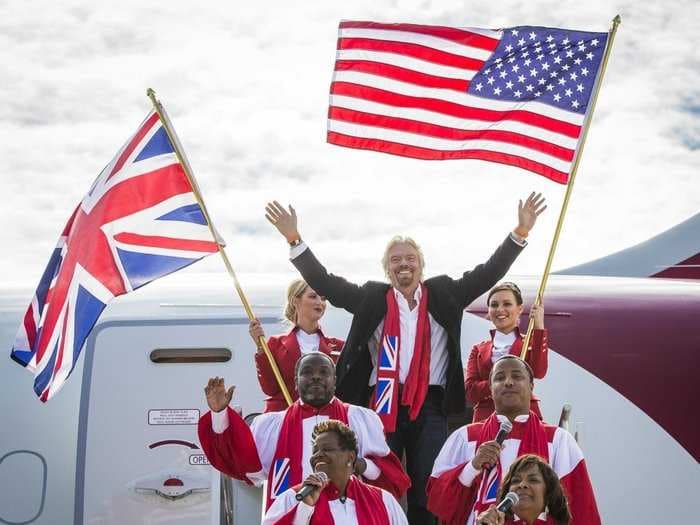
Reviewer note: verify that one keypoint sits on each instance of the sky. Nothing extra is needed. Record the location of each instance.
(246, 86)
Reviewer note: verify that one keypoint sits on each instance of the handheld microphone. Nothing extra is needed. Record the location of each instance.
(503, 431)
(508, 502)
(308, 489)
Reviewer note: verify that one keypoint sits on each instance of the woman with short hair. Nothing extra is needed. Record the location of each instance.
(338, 496)
(304, 309)
(541, 499)
(505, 305)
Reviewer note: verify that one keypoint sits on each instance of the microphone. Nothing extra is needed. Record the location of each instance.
(503, 431)
(508, 502)
(308, 489)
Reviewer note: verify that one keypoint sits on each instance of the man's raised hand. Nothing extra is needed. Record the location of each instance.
(218, 398)
(528, 213)
(285, 221)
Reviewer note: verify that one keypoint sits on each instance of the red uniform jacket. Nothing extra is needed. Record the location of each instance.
(479, 367)
(285, 349)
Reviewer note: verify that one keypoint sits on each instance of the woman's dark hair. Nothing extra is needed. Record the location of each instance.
(506, 286)
(554, 497)
(346, 437)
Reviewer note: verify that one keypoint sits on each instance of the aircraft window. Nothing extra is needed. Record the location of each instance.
(190, 355)
(23, 478)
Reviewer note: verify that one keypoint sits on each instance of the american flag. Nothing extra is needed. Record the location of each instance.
(516, 96)
(139, 221)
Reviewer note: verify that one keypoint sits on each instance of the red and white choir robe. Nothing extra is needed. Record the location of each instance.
(365, 505)
(457, 491)
(269, 450)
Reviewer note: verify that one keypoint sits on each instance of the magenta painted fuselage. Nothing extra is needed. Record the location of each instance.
(640, 336)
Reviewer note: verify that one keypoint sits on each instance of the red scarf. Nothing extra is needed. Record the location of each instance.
(533, 440)
(369, 505)
(416, 386)
(286, 469)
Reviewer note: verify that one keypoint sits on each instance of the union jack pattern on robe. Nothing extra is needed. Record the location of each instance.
(280, 477)
(139, 221)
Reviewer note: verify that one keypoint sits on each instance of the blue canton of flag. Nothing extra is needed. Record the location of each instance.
(280, 477)
(553, 66)
(387, 358)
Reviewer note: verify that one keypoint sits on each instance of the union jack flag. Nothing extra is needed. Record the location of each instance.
(385, 396)
(139, 221)
(387, 358)
(280, 477)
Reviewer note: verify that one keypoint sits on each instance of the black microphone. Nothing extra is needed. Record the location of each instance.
(508, 502)
(308, 489)
(503, 431)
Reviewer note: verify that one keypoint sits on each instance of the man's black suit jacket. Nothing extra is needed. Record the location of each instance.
(447, 299)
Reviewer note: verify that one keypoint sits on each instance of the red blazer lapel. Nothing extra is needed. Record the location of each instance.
(517, 345)
(485, 353)
(290, 344)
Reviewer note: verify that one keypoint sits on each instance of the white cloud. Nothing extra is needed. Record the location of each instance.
(247, 89)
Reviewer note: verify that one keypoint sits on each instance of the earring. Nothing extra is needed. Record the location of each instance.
(349, 463)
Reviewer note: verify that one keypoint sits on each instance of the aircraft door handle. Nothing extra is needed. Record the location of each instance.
(173, 486)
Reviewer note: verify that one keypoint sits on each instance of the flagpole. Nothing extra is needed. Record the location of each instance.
(543, 283)
(219, 241)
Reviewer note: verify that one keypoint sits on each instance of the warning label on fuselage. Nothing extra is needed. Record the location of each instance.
(173, 416)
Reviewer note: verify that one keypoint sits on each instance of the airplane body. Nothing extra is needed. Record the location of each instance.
(119, 445)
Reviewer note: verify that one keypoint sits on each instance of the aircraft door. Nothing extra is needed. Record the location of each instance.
(142, 463)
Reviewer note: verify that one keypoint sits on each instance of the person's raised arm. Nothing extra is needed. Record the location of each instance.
(477, 281)
(224, 437)
(337, 290)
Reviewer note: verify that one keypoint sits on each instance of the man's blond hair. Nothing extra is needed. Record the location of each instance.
(400, 239)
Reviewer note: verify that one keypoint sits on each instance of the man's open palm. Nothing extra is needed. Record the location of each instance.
(218, 398)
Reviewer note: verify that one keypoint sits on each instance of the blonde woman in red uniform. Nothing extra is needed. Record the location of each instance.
(505, 305)
(304, 310)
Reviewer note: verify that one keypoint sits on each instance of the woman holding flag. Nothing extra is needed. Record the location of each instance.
(303, 310)
(505, 306)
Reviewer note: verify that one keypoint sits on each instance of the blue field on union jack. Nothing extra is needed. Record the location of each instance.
(385, 393)
(280, 477)
(139, 221)
(387, 357)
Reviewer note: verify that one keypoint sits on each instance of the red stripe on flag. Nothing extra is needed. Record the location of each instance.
(433, 130)
(451, 108)
(418, 51)
(157, 241)
(404, 150)
(460, 36)
(402, 74)
(29, 326)
(134, 142)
